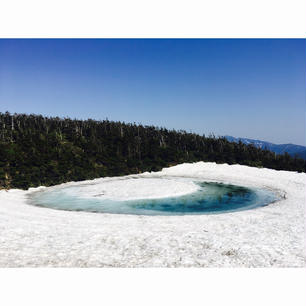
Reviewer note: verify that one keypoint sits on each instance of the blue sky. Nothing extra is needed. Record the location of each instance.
(251, 88)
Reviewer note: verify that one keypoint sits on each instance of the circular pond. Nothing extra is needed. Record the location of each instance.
(152, 196)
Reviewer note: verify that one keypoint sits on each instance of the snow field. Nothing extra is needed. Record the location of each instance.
(271, 236)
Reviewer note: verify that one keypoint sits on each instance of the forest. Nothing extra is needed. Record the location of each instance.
(36, 150)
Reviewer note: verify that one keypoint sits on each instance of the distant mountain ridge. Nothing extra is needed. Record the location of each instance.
(291, 149)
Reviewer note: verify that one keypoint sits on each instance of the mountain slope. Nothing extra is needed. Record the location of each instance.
(37, 150)
(291, 149)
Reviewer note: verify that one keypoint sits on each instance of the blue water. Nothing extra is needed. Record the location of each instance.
(211, 198)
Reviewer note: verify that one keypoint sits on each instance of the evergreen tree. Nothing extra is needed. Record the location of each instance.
(37, 150)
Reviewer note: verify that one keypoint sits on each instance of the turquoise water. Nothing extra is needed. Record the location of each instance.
(211, 198)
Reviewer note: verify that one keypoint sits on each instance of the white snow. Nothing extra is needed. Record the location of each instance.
(273, 235)
(129, 188)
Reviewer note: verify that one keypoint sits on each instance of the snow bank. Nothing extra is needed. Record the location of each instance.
(269, 236)
(130, 188)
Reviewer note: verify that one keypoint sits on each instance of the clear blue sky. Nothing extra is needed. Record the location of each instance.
(252, 88)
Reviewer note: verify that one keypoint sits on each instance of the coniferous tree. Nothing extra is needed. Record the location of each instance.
(37, 150)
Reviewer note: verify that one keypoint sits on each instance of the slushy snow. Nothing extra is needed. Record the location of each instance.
(270, 236)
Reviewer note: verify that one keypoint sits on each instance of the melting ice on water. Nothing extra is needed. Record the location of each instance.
(152, 196)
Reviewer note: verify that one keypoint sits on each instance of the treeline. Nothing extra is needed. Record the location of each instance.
(37, 150)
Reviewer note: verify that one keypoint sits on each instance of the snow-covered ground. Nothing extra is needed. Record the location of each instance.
(128, 188)
(273, 235)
